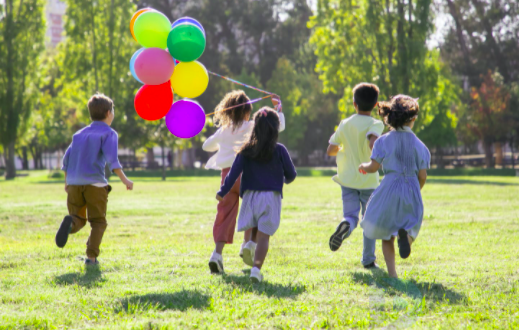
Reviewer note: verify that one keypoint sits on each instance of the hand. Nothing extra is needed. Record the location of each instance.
(66, 187)
(276, 102)
(219, 198)
(362, 169)
(128, 184)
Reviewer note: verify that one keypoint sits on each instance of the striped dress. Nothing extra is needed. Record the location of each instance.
(397, 202)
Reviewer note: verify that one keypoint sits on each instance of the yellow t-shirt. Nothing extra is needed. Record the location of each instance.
(352, 135)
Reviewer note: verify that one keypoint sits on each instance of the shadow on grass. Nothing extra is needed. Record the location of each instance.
(471, 182)
(435, 292)
(264, 288)
(90, 278)
(181, 301)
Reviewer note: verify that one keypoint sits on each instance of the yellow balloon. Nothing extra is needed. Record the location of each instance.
(190, 79)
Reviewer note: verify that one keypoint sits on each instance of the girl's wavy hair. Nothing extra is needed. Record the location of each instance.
(233, 117)
(398, 111)
(264, 137)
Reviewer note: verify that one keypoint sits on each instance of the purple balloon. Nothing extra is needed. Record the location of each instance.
(188, 20)
(185, 119)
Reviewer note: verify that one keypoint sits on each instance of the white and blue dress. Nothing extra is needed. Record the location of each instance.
(397, 202)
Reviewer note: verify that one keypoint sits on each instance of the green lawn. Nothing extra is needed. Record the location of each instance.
(463, 272)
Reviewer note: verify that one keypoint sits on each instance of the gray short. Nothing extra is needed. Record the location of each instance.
(260, 209)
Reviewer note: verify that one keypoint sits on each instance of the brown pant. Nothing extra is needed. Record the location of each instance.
(227, 211)
(83, 199)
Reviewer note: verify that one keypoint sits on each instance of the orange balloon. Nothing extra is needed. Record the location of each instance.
(134, 17)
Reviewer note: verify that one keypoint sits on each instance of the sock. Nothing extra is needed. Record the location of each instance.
(253, 244)
(217, 255)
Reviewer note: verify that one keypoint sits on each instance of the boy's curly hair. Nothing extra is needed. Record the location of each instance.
(233, 117)
(399, 111)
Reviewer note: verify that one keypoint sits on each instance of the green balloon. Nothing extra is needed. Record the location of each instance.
(186, 42)
(151, 29)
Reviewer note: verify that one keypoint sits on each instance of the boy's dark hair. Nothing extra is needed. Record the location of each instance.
(366, 96)
(399, 111)
(264, 136)
(236, 116)
(99, 105)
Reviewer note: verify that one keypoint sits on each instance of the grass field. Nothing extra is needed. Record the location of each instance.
(463, 272)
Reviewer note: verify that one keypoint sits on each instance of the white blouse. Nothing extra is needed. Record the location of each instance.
(228, 142)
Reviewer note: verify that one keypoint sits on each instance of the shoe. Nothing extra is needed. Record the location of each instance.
(241, 249)
(255, 275)
(404, 247)
(89, 262)
(249, 250)
(63, 231)
(336, 239)
(216, 263)
(372, 265)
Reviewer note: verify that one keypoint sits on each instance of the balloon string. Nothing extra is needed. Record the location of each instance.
(240, 83)
(239, 105)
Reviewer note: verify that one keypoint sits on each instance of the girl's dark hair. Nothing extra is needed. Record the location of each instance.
(233, 117)
(399, 111)
(264, 136)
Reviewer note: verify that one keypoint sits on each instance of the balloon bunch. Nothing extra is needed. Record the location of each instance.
(166, 63)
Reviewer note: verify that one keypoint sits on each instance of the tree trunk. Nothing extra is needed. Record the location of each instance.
(150, 158)
(163, 162)
(498, 146)
(25, 162)
(9, 155)
(94, 60)
(512, 152)
(489, 156)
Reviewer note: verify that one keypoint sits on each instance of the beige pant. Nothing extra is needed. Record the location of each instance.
(92, 200)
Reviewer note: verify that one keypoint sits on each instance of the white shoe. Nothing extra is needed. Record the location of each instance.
(249, 250)
(216, 263)
(255, 275)
(241, 249)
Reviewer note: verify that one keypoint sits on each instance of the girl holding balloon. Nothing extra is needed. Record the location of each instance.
(232, 117)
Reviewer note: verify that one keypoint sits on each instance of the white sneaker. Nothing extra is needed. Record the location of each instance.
(249, 250)
(216, 263)
(255, 275)
(241, 249)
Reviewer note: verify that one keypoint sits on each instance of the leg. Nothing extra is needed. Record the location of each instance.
(247, 235)
(368, 251)
(388, 248)
(96, 199)
(261, 249)
(350, 210)
(227, 211)
(76, 205)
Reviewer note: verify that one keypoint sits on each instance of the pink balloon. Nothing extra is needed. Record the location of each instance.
(154, 66)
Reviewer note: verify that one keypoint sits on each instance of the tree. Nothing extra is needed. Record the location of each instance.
(21, 41)
(385, 43)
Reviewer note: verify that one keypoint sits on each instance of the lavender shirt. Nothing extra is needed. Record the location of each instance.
(90, 150)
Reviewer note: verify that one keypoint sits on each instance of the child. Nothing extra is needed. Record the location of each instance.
(396, 206)
(228, 139)
(356, 135)
(265, 164)
(87, 188)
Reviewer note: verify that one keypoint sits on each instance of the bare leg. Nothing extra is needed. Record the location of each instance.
(247, 235)
(253, 234)
(261, 249)
(388, 248)
(219, 247)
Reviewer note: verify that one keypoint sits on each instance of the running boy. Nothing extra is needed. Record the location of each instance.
(352, 144)
(87, 188)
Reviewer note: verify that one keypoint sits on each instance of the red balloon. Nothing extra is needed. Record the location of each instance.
(152, 102)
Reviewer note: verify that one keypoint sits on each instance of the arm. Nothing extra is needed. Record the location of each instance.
(332, 150)
(276, 102)
(370, 167)
(372, 139)
(288, 167)
(422, 177)
(230, 179)
(110, 151)
(212, 142)
(65, 164)
(66, 185)
(128, 183)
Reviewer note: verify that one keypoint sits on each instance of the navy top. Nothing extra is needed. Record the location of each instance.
(91, 148)
(261, 176)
